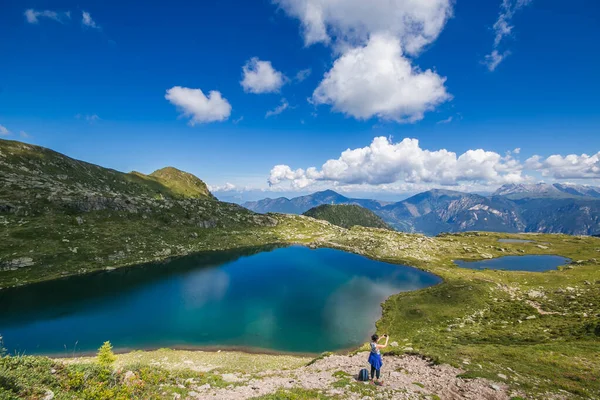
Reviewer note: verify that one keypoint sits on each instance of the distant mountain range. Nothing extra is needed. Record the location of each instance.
(545, 190)
(544, 208)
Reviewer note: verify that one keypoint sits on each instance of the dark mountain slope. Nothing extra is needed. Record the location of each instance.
(347, 216)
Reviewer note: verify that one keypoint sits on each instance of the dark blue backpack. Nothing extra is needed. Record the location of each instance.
(363, 375)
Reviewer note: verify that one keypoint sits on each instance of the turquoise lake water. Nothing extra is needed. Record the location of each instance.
(535, 263)
(291, 299)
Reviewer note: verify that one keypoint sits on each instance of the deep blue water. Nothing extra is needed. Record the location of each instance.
(535, 263)
(288, 299)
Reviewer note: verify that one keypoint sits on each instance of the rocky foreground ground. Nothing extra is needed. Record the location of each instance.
(334, 376)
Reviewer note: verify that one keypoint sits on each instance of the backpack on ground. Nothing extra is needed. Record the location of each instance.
(363, 375)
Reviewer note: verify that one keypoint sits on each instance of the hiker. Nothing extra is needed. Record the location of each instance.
(375, 357)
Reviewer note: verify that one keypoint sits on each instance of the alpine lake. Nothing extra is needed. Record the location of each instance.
(530, 263)
(282, 299)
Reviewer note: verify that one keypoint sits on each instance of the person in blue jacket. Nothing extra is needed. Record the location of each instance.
(375, 357)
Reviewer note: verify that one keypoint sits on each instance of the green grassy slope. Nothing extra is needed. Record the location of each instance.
(347, 216)
(34, 172)
(62, 216)
(182, 183)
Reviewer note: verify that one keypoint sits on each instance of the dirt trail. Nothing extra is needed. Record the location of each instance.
(406, 377)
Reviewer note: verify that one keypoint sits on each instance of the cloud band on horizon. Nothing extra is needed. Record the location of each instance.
(384, 162)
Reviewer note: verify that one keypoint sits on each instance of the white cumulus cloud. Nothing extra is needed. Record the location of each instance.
(377, 80)
(200, 108)
(384, 162)
(415, 22)
(4, 131)
(279, 109)
(372, 75)
(33, 16)
(260, 77)
(571, 166)
(86, 20)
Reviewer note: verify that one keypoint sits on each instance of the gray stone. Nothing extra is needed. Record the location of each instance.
(230, 378)
(17, 263)
(163, 253)
(129, 378)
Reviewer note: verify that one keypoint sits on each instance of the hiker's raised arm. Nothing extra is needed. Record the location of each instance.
(381, 346)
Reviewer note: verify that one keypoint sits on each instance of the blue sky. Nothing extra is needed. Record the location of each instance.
(95, 89)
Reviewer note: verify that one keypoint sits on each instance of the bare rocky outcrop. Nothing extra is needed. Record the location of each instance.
(16, 263)
(405, 377)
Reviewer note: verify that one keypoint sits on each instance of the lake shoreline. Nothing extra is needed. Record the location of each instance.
(200, 349)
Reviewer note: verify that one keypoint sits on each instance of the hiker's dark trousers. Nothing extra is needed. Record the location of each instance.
(374, 372)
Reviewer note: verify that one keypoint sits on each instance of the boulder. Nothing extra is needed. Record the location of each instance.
(17, 263)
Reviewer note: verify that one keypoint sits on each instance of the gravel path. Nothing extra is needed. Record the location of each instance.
(406, 377)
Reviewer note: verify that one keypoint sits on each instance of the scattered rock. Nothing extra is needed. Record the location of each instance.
(130, 378)
(163, 253)
(79, 220)
(230, 378)
(502, 376)
(49, 395)
(394, 344)
(206, 224)
(17, 263)
(535, 294)
(531, 317)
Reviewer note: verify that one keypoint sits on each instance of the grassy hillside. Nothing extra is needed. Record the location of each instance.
(62, 216)
(182, 183)
(35, 172)
(347, 216)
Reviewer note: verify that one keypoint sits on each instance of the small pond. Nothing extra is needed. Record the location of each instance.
(532, 263)
(515, 241)
(290, 299)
